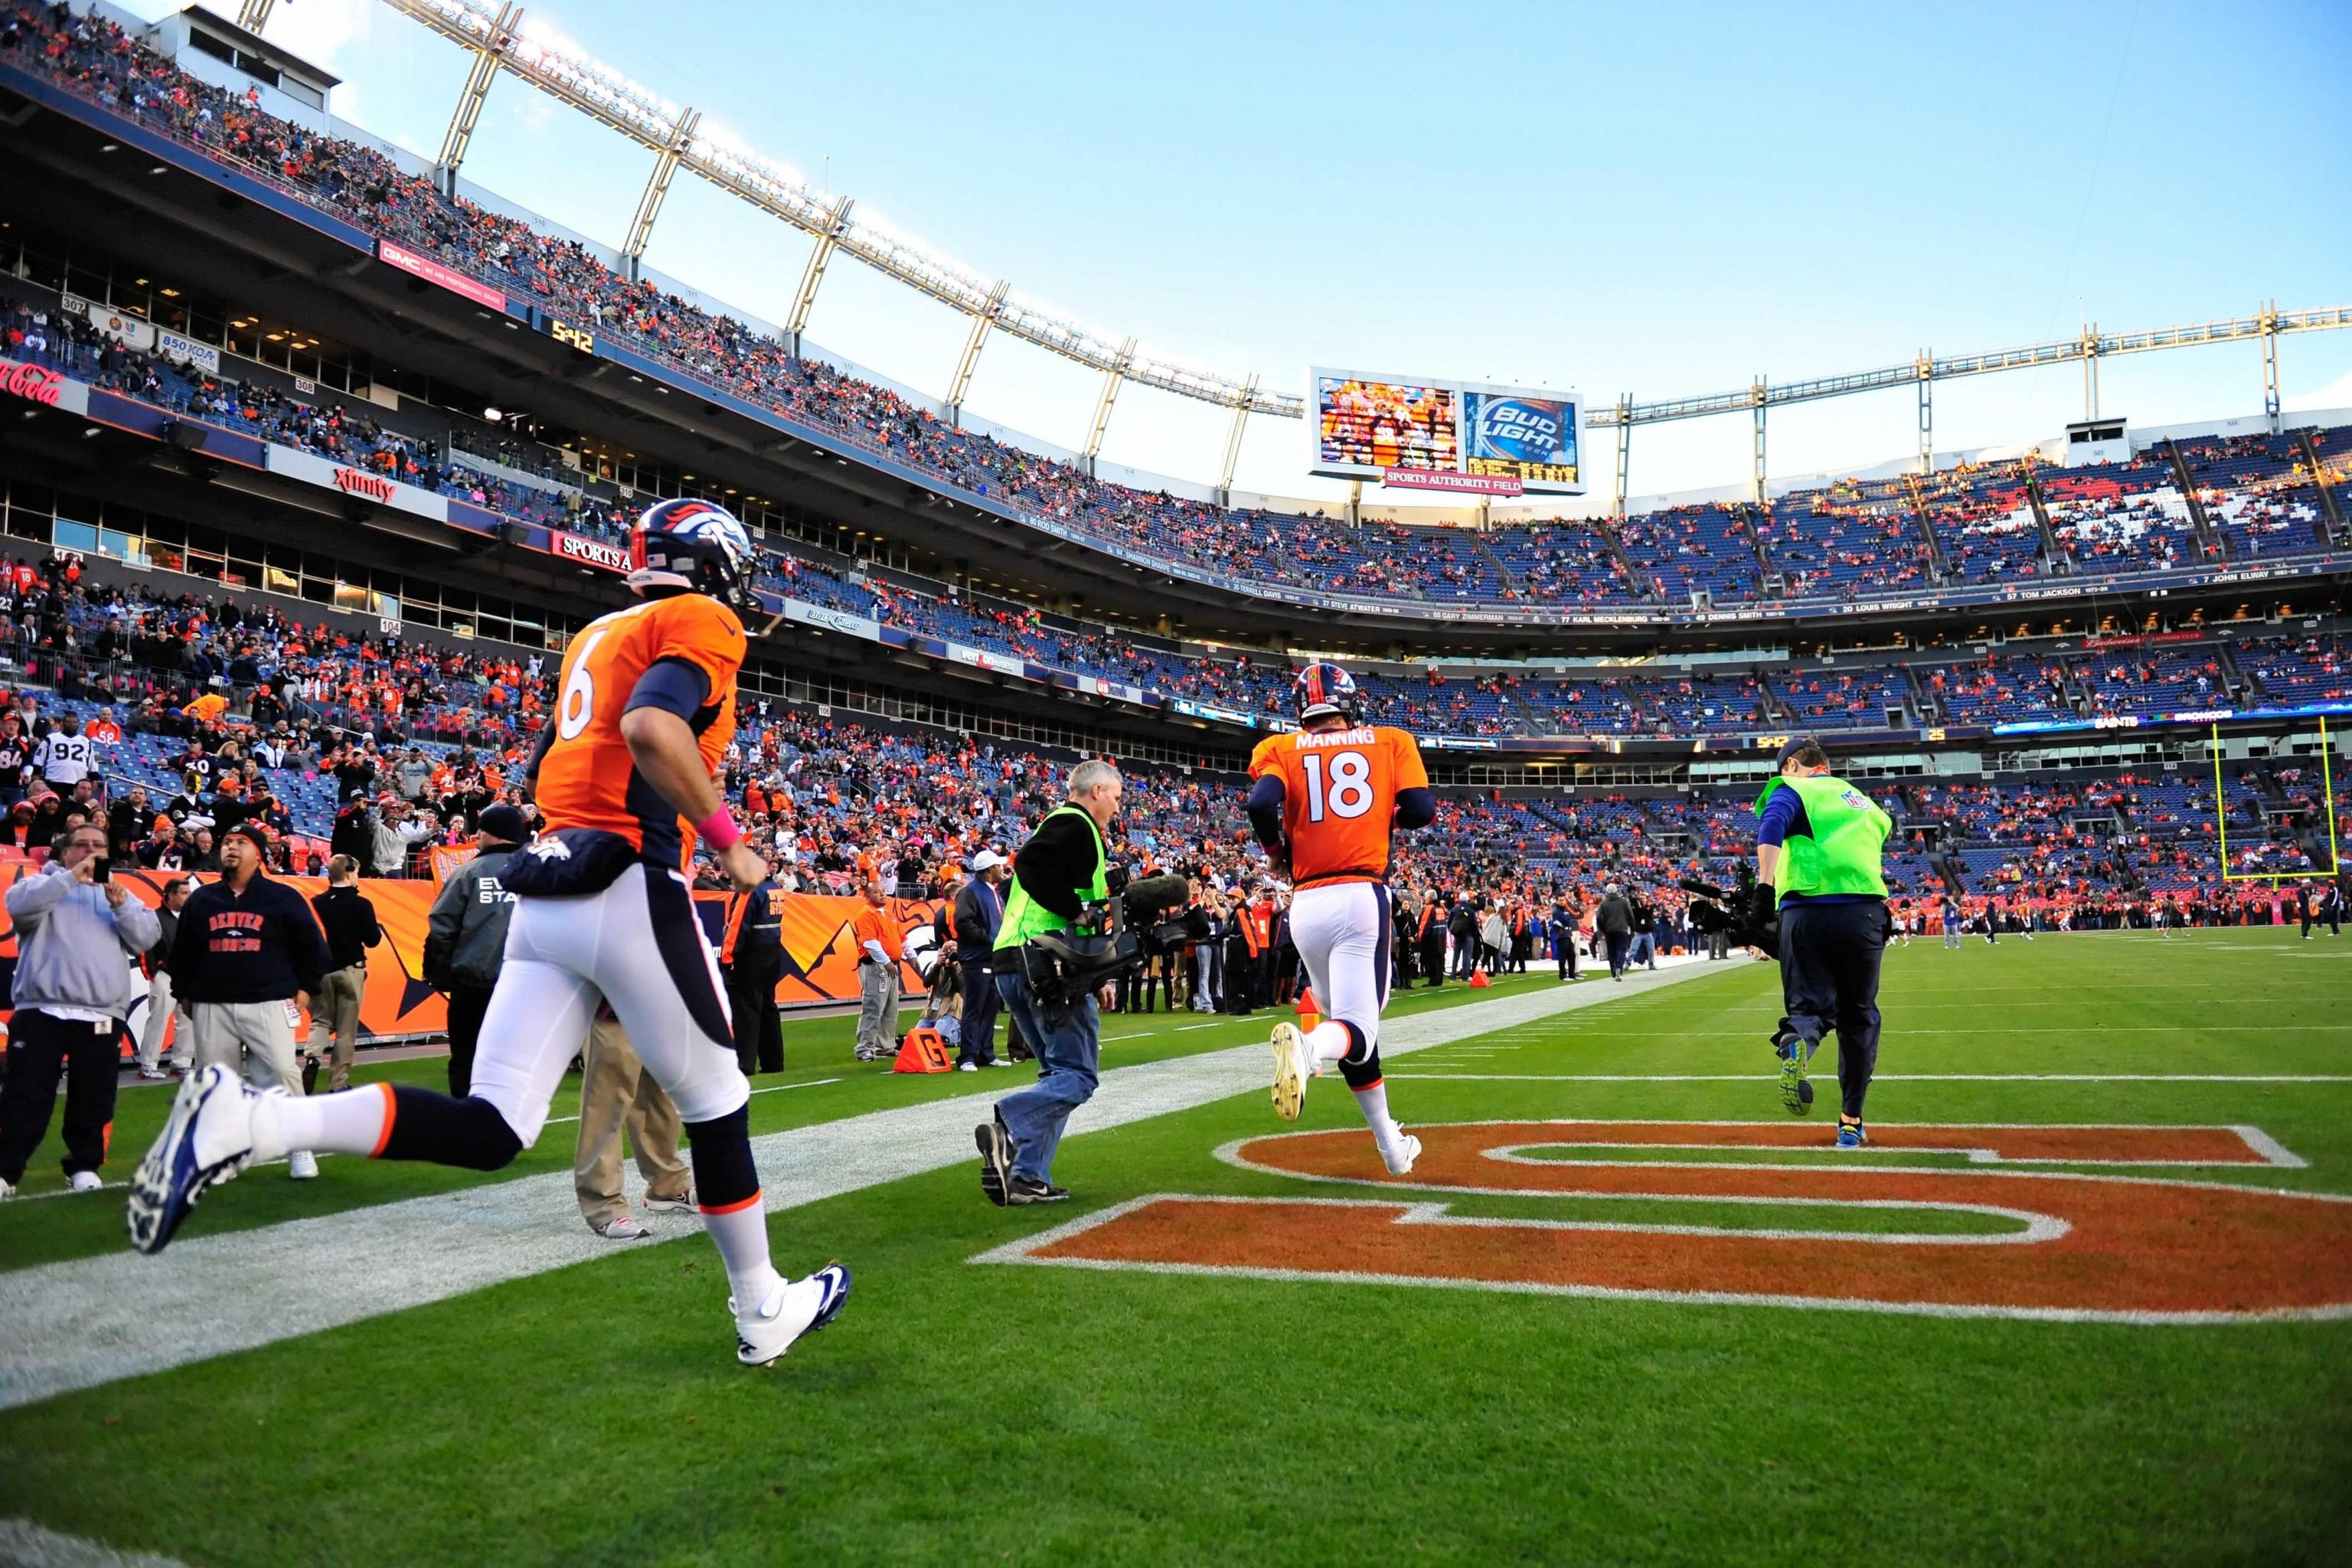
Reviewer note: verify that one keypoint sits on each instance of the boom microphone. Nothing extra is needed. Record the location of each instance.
(1153, 895)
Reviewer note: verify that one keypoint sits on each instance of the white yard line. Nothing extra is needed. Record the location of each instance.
(1887, 1078)
(24, 1545)
(92, 1320)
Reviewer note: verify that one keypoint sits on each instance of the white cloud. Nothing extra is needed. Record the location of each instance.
(2336, 393)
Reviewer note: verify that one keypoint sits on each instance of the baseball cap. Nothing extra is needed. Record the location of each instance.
(1796, 743)
(504, 823)
(986, 861)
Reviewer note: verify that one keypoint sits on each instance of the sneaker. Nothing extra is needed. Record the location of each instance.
(682, 1204)
(793, 1308)
(302, 1165)
(1400, 1162)
(1021, 1192)
(8, 1190)
(999, 1062)
(85, 1181)
(152, 1075)
(1796, 1090)
(995, 1161)
(621, 1229)
(1850, 1134)
(207, 1138)
(967, 1067)
(1292, 1068)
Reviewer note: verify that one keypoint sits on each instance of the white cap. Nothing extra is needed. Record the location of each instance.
(986, 861)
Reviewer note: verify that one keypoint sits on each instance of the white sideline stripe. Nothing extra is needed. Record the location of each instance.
(1889, 1077)
(88, 1321)
(24, 1545)
(772, 1088)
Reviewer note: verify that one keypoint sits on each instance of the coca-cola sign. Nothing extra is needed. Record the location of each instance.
(32, 383)
(592, 551)
(354, 481)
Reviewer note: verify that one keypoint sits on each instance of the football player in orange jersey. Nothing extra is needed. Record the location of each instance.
(1323, 802)
(645, 712)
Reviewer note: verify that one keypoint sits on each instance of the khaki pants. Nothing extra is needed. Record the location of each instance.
(614, 1090)
(161, 1011)
(335, 1010)
(260, 1033)
(877, 1011)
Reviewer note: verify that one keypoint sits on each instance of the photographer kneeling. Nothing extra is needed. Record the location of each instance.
(1819, 842)
(1063, 867)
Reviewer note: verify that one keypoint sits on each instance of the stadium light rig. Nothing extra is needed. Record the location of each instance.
(542, 57)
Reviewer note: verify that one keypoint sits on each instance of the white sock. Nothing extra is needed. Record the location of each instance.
(1374, 1103)
(742, 1236)
(352, 1121)
(1330, 1040)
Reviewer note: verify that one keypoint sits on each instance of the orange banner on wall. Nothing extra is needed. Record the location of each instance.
(820, 954)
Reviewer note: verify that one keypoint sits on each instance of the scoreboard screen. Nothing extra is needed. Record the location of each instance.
(1423, 434)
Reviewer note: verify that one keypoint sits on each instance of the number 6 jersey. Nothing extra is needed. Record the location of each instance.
(587, 777)
(1338, 794)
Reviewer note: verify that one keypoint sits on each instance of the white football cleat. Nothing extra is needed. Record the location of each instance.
(302, 1165)
(207, 1138)
(85, 1181)
(792, 1309)
(1408, 1150)
(1292, 1068)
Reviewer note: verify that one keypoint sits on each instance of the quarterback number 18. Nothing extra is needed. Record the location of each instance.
(1350, 792)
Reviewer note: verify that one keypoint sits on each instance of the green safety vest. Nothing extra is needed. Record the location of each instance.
(1841, 855)
(1024, 917)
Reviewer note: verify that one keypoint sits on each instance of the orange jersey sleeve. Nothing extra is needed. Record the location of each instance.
(1338, 795)
(588, 778)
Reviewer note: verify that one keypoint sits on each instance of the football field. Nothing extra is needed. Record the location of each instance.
(2088, 1299)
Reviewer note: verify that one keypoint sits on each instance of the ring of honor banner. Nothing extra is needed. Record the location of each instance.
(820, 955)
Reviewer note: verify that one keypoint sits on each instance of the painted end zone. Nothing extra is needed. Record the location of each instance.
(2079, 1247)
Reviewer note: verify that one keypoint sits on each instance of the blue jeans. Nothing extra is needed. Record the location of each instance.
(1067, 1074)
(1644, 951)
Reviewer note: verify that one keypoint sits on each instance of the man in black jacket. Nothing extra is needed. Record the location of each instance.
(1613, 924)
(466, 937)
(247, 957)
(978, 913)
(347, 918)
(751, 959)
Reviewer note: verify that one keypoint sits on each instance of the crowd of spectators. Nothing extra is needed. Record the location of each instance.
(1843, 542)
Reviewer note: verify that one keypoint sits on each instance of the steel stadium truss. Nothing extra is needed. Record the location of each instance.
(501, 40)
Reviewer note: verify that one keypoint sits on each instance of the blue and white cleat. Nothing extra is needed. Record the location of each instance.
(1849, 1133)
(208, 1137)
(794, 1308)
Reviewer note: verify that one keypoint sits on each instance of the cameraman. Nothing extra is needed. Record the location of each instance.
(1819, 842)
(1062, 867)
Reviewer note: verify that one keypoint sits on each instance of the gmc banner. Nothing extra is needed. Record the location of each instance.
(365, 484)
(432, 271)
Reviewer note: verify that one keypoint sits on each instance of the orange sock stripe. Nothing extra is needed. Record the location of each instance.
(1363, 1087)
(731, 1208)
(391, 1114)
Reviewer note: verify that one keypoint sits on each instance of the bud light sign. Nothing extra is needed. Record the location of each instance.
(1532, 440)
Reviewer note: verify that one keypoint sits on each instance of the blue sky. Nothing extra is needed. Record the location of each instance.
(1660, 200)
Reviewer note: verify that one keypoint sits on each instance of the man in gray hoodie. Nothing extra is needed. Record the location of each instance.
(75, 939)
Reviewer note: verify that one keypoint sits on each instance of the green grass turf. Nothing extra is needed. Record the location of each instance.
(963, 1413)
(823, 1081)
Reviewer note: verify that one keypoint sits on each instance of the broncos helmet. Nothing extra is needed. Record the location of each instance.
(697, 545)
(1324, 687)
